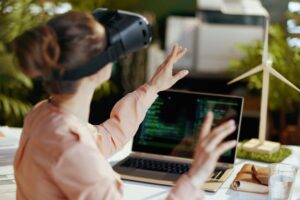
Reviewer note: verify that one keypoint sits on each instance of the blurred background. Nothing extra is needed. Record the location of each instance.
(220, 46)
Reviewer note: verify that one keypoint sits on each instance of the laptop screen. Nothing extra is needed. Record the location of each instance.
(171, 125)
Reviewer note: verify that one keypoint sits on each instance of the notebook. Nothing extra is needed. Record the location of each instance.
(163, 146)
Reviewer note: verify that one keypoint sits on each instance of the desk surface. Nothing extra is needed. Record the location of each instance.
(151, 191)
(137, 190)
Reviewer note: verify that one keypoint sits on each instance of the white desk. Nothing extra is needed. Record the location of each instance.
(137, 190)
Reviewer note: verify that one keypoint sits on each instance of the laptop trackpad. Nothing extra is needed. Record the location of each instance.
(171, 177)
(148, 174)
(156, 175)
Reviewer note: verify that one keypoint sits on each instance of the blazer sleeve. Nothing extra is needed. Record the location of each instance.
(124, 120)
(82, 173)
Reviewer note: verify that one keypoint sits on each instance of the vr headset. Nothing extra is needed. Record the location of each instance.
(126, 32)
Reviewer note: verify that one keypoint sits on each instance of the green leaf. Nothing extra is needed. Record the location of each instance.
(285, 60)
(105, 89)
(12, 108)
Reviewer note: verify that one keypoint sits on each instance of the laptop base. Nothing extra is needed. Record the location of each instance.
(164, 178)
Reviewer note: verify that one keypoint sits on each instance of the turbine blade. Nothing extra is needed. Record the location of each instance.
(282, 78)
(246, 74)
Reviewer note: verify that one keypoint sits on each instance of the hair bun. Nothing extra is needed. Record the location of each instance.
(38, 51)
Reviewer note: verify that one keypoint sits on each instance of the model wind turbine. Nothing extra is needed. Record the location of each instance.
(254, 7)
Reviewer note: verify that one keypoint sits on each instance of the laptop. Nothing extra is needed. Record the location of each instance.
(163, 146)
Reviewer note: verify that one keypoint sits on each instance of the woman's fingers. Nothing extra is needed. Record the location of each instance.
(171, 55)
(176, 54)
(206, 126)
(179, 75)
(226, 146)
(181, 52)
(209, 148)
(218, 135)
(224, 126)
(163, 77)
(204, 131)
(219, 138)
(219, 129)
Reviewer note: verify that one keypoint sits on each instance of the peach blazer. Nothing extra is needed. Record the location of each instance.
(61, 157)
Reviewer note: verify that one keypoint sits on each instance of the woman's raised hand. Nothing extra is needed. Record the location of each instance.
(208, 149)
(163, 78)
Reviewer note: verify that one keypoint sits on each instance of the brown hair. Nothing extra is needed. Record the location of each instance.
(68, 41)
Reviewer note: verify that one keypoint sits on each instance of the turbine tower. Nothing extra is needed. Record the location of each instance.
(254, 7)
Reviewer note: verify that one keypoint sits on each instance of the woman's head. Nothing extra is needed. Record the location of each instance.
(68, 41)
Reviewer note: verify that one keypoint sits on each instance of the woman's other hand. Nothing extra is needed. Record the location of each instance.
(163, 78)
(209, 148)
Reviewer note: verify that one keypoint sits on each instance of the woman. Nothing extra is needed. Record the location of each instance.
(61, 155)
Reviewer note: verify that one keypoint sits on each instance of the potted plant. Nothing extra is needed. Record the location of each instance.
(17, 92)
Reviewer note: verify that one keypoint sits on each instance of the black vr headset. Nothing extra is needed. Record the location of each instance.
(126, 32)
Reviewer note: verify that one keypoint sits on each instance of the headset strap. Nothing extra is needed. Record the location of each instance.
(95, 64)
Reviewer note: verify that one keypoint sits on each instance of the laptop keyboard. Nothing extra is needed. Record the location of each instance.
(165, 166)
(156, 165)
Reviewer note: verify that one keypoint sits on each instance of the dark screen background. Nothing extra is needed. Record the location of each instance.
(172, 123)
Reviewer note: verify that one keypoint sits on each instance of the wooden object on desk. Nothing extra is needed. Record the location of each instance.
(279, 156)
(252, 179)
(256, 146)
